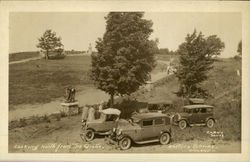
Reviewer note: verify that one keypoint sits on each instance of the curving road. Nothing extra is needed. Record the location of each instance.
(90, 95)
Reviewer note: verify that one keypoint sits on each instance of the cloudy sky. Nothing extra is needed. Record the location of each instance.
(77, 30)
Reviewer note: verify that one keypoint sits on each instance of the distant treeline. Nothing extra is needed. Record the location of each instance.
(166, 51)
(73, 52)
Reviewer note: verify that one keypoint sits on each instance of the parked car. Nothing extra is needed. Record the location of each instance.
(195, 115)
(159, 106)
(142, 128)
(102, 126)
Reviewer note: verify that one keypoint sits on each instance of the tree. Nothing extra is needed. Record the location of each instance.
(49, 42)
(125, 54)
(196, 59)
(239, 50)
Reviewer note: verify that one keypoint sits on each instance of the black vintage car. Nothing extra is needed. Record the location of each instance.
(195, 115)
(162, 107)
(142, 128)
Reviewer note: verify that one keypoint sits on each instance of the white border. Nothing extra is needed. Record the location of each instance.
(101, 6)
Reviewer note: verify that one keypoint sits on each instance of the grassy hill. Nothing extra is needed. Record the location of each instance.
(224, 86)
(40, 81)
(22, 55)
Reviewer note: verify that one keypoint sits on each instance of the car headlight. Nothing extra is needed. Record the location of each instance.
(118, 132)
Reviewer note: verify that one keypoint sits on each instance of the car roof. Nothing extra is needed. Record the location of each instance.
(111, 111)
(196, 100)
(160, 102)
(197, 106)
(148, 115)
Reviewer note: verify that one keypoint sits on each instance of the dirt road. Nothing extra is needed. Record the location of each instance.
(63, 137)
(89, 95)
(24, 60)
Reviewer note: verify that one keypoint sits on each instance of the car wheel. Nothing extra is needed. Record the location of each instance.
(89, 135)
(165, 138)
(182, 124)
(125, 143)
(210, 123)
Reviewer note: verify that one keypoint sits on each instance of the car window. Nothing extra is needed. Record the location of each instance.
(147, 122)
(203, 110)
(152, 107)
(159, 121)
(111, 117)
(196, 110)
(209, 109)
(186, 110)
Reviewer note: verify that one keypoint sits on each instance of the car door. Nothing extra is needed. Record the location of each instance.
(158, 126)
(109, 123)
(203, 115)
(195, 117)
(147, 132)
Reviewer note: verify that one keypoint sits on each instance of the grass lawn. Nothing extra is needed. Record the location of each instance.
(224, 86)
(22, 55)
(40, 81)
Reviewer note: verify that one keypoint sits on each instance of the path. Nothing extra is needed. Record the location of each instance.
(90, 95)
(25, 60)
(39, 57)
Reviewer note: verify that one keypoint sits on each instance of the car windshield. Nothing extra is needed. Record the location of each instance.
(111, 117)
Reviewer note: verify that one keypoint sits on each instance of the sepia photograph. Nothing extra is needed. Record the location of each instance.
(119, 82)
(124, 81)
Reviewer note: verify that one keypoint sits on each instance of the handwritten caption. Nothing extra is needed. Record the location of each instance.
(58, 146)
(214, 134)
(195, 148)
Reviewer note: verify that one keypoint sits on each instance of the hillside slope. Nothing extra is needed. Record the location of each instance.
(224, 86)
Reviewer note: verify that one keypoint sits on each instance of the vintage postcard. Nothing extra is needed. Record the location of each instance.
(146, 81)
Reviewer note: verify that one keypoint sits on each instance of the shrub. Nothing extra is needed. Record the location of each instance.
(22, 122)
(128, 106)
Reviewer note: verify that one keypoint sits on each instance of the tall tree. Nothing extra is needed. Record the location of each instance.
(50, 42)
(196, 59)
(125, 54)
(239, 50)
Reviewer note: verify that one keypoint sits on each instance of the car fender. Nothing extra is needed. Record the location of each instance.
(167, 131)
(84, 129)
(124, 135)
(186, 119)
(210, 118)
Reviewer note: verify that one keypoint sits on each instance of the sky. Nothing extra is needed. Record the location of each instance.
(79, 29)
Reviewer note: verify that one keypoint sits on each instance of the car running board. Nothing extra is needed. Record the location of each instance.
(197, 124)
(103, 133)
(149, 141)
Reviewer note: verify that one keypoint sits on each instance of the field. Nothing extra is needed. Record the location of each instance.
(223, 84)
(22, 55)
(41, 81)
(63, 137)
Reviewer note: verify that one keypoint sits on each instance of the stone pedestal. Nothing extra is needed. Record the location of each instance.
(70, 108)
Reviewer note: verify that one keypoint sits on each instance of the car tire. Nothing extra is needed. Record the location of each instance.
(89, 135)
(165, 138)
(210, 123)
(125, 143)
(182, 124)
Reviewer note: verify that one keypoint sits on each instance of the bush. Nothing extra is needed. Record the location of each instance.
(22, 122)
(128, 106)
